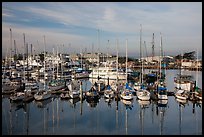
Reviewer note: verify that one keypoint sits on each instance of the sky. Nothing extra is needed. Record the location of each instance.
(74, 27)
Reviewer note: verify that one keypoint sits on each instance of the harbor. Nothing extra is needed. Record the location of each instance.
(103, 116)
(131, 68)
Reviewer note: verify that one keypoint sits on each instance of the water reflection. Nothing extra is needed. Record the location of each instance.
(92, 102)
(101, 116)
(43, 103)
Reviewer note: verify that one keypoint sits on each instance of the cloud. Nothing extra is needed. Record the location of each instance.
(53, 38)
(180, 23)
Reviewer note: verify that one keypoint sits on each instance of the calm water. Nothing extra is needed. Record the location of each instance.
(104, 117)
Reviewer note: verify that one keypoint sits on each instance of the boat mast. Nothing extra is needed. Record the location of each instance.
(197, 71)
(141, 52)
(117, 61)
(24, 58)
(27, 60)
(126, 59)
(160, 56)
(98, 54)
(44, 61)
(10, 49)
(153, 47)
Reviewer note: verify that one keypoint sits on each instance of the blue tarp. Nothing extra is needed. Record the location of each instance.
(162, 88)
(127, 86)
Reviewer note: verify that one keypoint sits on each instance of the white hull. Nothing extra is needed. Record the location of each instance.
(162, 97)
(126, 96)
(143, 94)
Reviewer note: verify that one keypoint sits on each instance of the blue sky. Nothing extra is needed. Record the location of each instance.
(73, 26)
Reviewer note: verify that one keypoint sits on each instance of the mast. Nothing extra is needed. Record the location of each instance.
(160, 56)
(117, 61)
(15, 53)
(141, 52)
(57, 61)
(27, 60)
(142, 65)
(53, 65)
(44, 61)
(98, 54)
(126, 59)
(24, 58)
(153, 47)
(107, 61)
(146, 51)
(197, 71)
(10, 49)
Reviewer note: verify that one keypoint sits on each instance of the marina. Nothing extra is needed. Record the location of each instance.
(104, 116)
(116, 68)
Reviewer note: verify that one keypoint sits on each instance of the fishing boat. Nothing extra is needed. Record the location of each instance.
(183, 81)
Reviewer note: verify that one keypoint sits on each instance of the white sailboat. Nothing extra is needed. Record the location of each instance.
(161, 90)
(142, 93)
(109, 92)
(126, 93)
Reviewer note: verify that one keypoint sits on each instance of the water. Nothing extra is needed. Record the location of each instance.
(103, 117)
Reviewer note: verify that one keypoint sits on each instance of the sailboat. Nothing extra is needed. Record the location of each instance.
(56, 84)
(161, 87)
(142, 93)
(109, 92)
(43, 94)
(126, 93)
